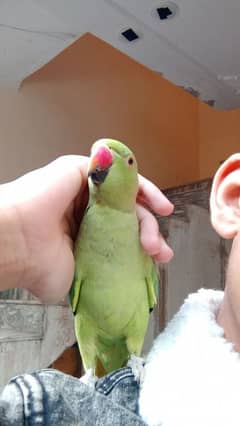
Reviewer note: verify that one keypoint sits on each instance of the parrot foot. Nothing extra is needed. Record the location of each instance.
(136, 363)
(89, 378)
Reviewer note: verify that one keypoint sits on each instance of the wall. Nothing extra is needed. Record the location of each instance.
(32, 336)
(32, 133)
(219, 136)
(91, 90)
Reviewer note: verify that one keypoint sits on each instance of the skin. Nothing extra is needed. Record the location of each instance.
(39, 217)
(225, 216)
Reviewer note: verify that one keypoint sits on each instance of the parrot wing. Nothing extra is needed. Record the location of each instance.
(152, 283)
(74, 294)
(75, 290)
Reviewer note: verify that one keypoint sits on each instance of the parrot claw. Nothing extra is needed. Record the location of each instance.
(89, 378)
(136, 363)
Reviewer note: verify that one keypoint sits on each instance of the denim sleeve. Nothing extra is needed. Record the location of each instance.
(49, 397)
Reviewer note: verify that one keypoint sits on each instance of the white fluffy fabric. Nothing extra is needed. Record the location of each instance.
(192, 374)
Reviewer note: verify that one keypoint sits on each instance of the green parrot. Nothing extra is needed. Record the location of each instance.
(115, 283)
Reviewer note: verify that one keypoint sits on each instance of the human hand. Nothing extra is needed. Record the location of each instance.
(44, 209)
(150, 197)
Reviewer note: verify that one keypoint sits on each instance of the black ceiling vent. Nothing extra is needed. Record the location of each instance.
(164, 13)
(130, 35)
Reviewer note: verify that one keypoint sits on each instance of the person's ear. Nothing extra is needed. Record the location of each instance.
(225, 198)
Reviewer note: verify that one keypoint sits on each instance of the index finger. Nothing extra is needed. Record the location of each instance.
(150, 194)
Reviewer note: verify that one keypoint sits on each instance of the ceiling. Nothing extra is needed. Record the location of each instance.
(198, 49)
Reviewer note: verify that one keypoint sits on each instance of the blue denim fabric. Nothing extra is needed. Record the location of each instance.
(49, 397)
(121, 387)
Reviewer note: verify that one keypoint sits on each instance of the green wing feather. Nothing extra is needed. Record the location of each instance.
(152, 283)
(74, 294)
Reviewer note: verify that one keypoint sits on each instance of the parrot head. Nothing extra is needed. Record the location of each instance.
(112, 174)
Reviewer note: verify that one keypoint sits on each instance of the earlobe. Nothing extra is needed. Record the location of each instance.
(225, 198)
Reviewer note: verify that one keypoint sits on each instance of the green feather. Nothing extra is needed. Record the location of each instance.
(115, 283)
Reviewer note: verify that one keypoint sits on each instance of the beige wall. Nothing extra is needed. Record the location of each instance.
(32, 133)
(90, 91)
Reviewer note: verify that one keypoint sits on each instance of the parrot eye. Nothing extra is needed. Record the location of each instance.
(130, 161)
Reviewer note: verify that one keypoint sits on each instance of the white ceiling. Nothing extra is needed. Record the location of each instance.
(198, 49)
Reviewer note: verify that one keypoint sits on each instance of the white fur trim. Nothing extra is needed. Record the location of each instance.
(192, 374)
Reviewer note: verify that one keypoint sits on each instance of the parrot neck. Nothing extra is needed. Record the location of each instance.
(119, 193)
(115, 202)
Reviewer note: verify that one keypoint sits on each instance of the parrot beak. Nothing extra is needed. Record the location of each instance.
(98, 175)
(99, 165)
